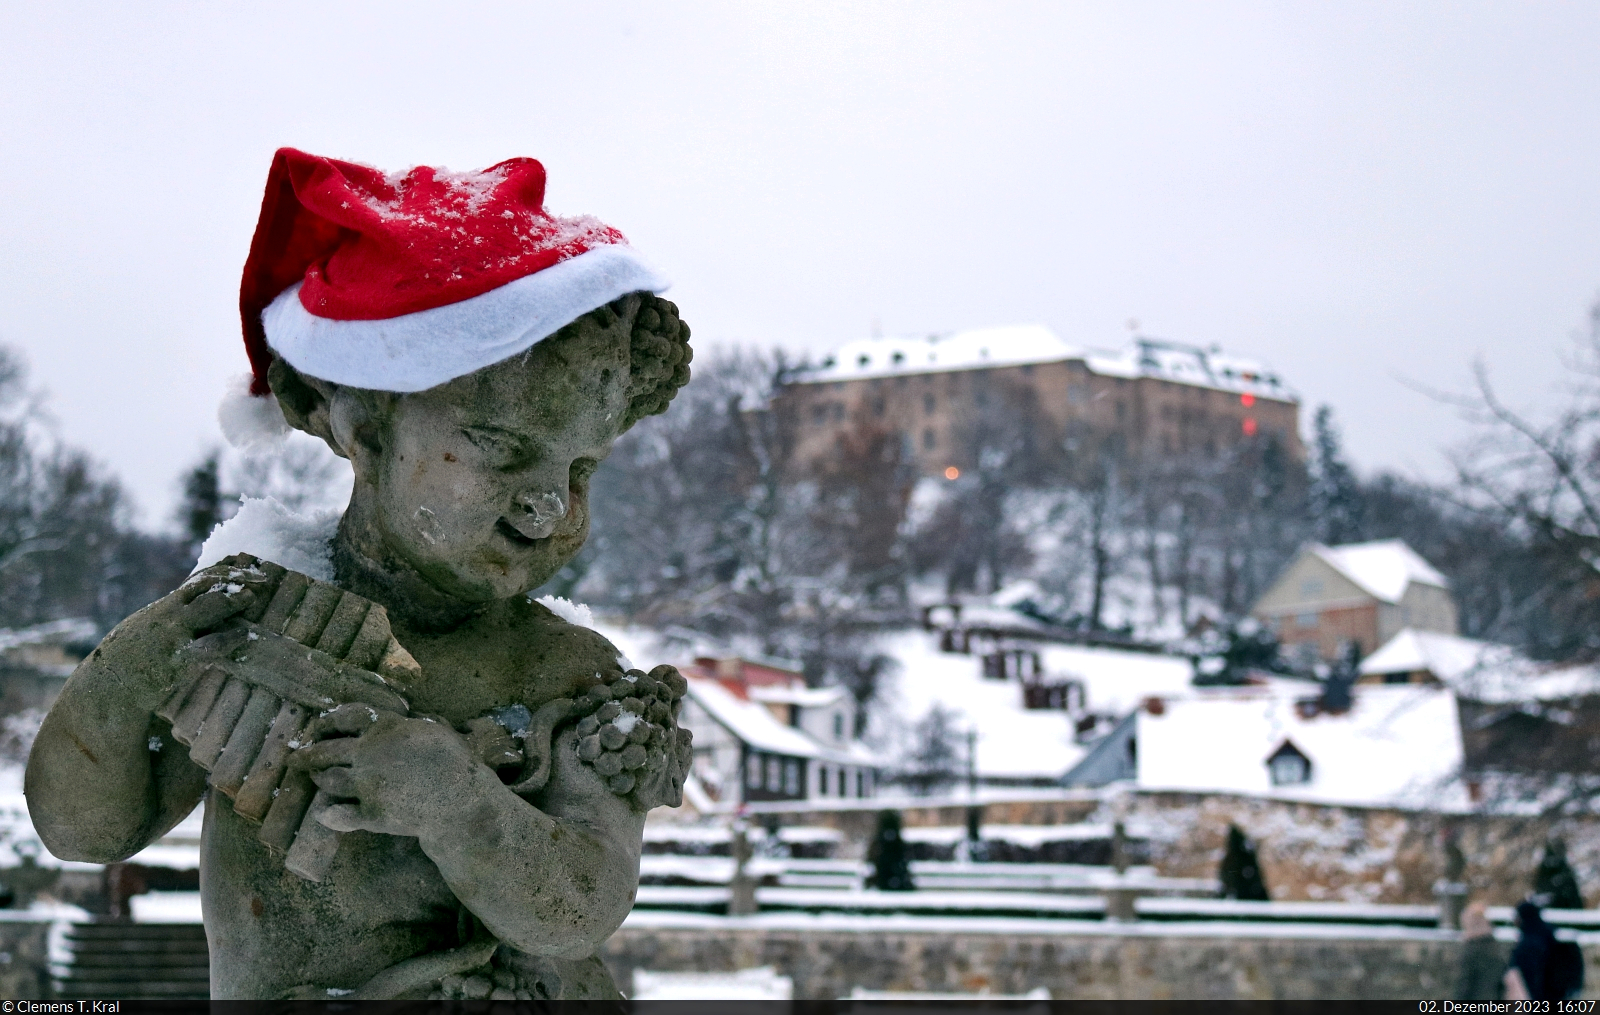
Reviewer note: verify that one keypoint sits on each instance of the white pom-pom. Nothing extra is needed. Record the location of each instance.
(251, 422)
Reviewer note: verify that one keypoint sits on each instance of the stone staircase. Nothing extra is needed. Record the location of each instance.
(138, 962)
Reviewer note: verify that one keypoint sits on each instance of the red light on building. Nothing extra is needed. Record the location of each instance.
(1247, 400)
(1249, 426)
(952, 473)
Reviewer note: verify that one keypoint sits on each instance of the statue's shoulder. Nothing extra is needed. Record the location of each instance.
(562, 654)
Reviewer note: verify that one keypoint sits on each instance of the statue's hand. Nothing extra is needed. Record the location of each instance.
(393, 774)
(630, 736)
(142, 649)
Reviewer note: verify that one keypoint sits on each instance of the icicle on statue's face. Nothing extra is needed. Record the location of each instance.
(483, 482)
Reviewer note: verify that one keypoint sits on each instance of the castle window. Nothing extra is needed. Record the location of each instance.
(774, 774)
(928, 440)
(927, 404)
(752, 771)
(791, 778)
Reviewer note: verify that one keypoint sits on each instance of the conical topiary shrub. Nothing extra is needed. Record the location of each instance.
(1241, 872)
(1554, 880)
(891, 867)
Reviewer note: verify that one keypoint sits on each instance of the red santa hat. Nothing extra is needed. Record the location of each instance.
(401, 282)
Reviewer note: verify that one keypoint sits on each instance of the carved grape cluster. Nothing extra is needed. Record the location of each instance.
(629, 734)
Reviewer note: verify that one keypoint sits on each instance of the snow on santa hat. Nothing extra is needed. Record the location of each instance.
(403, 282)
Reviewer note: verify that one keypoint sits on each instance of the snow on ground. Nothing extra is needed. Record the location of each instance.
(906, 923)
(1012, 742)
(1015, 742)
(1116, 682)
(166, 907)
(759, 984)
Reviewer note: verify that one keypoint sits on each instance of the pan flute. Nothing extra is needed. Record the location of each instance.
(240, 724)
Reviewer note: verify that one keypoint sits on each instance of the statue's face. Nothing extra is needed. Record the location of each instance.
(482, 484)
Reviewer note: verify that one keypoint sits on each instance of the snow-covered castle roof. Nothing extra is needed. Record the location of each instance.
(1024, 344)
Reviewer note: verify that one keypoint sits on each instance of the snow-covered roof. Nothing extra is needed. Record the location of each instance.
(752, 723)
(960, 350)
(1382, 568)
(1018, 345)
(1397, 746)
(1481, 670)
(805, 697)
(1209, 368)
(1449, 657)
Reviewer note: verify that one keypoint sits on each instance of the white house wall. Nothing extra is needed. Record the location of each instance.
(717, 753)
(818, 723)
(1424, 608)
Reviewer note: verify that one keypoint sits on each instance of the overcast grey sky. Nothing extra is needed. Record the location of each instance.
(1356, 193)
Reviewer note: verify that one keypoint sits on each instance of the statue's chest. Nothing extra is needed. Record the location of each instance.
(468, 672)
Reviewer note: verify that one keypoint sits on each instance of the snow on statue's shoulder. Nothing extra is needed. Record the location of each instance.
(566, 609)
(265, 528)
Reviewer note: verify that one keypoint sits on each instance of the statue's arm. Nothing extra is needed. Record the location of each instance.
(105, 778)
(556, 879)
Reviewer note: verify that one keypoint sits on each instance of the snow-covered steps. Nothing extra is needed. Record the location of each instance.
(137, 961)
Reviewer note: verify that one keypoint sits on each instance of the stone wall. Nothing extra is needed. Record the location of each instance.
(1308, 852)
(1360, 854)
(1130, 962)
(24, 957)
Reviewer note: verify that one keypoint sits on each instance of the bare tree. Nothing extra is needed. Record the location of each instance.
(1540, 481)
(66, 546)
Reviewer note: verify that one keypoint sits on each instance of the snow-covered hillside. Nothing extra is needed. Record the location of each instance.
(1015, 742)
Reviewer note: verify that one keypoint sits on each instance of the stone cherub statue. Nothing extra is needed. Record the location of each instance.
(422, 784)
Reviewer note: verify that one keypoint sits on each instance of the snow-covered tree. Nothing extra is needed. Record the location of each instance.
(1554, 880)
(887, 853)
(1240, 873)
(1337, 506)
